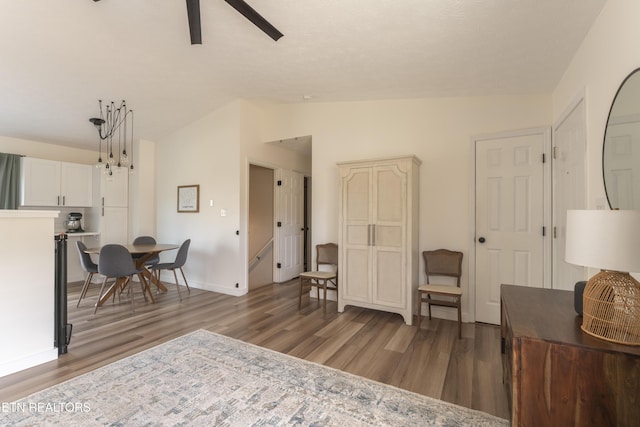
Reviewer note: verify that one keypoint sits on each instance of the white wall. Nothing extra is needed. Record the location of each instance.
(609, 52)
(142, 191)
(214, 152)
(43, 150)
(438, 131)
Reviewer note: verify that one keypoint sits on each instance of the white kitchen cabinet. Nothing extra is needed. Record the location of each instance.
(53, 183)
(114, 226)
(114, 189)
(378, 235)
(109, 215)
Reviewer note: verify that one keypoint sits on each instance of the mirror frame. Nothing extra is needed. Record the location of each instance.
(606, 128)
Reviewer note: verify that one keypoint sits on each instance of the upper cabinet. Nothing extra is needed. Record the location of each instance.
(53, 183)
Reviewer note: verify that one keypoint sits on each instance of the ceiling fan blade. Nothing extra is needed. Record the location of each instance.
(253, 16)
(193, 13)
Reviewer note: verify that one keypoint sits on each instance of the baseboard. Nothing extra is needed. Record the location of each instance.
(28, 362)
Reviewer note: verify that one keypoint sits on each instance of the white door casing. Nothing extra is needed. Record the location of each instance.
(510, 214)
(569, 188)
(289, 228)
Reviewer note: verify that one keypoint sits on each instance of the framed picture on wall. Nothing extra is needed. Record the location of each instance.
(188, 198)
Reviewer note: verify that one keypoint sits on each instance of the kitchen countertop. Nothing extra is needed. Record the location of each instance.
(80, 234)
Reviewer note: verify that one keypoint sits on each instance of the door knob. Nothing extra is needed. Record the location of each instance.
(482, 240)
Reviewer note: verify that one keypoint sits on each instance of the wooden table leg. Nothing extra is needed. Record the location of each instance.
(120, 281)
(146, 288)
(149, 275)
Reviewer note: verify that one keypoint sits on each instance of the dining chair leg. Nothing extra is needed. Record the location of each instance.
(142, 288)
(185, 280)
(300, 294)
(104, 282)
(133, 310)
(146, 287)
(177, 285)
(85, 287)
(459, 319)
(419, 308)
(156, 273)
(324, 304)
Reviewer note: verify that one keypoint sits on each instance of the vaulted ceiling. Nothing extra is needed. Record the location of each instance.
(57, 58)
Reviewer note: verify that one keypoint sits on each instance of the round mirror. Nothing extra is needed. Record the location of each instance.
(621, 148)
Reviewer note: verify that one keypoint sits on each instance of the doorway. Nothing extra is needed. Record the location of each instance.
(261, 208)
(279, 244)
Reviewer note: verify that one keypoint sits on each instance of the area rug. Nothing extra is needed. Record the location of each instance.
(206, 379)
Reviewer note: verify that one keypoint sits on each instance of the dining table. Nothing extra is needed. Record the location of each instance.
(145, 252)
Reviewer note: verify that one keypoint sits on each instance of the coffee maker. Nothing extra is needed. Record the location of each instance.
(73, 224)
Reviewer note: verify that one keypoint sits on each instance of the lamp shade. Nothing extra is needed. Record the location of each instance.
(604, 239)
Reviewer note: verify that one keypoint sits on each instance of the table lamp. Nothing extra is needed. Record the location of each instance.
(608, 240)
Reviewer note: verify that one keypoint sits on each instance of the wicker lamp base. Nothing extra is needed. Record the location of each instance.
(612, 307)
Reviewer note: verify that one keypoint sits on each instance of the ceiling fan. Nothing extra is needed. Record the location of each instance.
(193, 13)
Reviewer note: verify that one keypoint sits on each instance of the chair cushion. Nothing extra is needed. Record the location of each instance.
(163, 266)
(441, 289)
(321, 275)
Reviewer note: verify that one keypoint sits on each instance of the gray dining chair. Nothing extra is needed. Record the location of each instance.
(115, 261)
(146, 240)
(88, 266)
(181, 259)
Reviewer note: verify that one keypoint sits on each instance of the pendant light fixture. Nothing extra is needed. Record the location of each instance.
(114, 122)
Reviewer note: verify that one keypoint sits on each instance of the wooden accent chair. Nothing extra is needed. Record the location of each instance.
(441, 262)
(326, 256)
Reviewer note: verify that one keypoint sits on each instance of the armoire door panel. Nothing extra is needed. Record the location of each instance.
(358, 234)
(389, 236)
(390, 194)
(357, 195)
(356, 278)
(389, 274)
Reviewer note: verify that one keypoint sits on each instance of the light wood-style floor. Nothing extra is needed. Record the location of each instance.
(377, 345)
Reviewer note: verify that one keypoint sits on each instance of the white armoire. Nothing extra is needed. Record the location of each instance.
(378, 235)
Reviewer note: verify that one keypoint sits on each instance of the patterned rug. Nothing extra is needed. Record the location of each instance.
(207, 379)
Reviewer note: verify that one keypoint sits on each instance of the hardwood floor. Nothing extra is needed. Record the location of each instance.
(377, 345)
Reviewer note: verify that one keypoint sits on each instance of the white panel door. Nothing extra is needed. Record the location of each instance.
(509, 218)
(569, 190)
(289, 232)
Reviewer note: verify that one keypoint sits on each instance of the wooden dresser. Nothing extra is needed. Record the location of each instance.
(557, 375)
